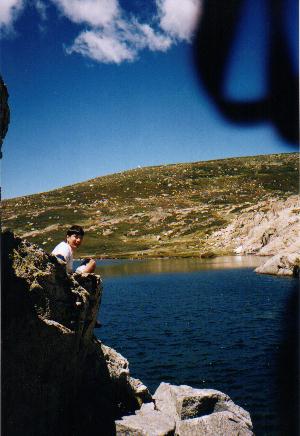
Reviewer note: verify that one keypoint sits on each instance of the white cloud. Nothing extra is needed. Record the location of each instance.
(9, 10)
(118, 42)
(112, 36)
(93, 12)
(179, 18)
(102, 47)
(154, 41)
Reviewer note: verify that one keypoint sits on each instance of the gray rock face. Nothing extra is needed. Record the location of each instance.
(56, 377)
(146, 422)
(184, 402)
(266, 229)
(271, 228)
(194, 412)
(217, 424)
(282, 265)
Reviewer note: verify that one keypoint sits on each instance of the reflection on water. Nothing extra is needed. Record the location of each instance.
(113, 268)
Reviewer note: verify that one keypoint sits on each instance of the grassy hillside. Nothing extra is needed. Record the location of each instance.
(156, 211)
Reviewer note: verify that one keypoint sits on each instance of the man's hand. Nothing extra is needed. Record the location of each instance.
(90, 266)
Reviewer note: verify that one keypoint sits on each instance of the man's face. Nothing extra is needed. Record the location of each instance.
(74, 241)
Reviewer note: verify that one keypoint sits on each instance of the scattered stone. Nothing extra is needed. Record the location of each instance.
(107, 232)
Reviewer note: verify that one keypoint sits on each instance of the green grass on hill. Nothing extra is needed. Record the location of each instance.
(165, 210)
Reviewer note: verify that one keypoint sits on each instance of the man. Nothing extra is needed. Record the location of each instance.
(64, 251)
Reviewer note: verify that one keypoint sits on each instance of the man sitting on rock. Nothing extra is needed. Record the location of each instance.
(64, 251)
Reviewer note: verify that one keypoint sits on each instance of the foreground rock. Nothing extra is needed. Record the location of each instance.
(147, 421)
(57, 378)
(184, 411)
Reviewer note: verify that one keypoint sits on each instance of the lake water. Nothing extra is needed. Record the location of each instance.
(206, 323)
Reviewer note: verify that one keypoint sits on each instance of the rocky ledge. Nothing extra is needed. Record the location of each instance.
(57, 378)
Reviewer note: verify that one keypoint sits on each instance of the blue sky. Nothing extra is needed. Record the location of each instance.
(100, 86)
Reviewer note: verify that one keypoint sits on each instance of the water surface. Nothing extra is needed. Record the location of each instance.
(209, 324)
(117, 267)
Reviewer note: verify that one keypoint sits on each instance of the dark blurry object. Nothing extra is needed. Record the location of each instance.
(212, 50)
(4, 113)
(289, 367)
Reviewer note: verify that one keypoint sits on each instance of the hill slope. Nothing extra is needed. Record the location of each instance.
(167, 210)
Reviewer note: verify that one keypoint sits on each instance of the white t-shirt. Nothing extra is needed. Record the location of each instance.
(64, 249)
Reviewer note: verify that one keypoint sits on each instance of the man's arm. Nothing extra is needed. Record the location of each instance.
(89, 267)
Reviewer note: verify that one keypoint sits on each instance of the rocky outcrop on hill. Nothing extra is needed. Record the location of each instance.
(57, 378)
(271, 228)
(184, 411)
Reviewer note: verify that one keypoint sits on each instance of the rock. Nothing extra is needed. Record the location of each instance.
(146, 422)
(56, 377)
(140, 392)
(216, 424)
(184, 402)
(266, 229)
(282, 264)
(117, 365)
(185, 411)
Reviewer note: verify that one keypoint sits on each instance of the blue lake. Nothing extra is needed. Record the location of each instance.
(206, 323)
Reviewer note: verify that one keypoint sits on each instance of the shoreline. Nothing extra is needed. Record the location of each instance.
(173, 257)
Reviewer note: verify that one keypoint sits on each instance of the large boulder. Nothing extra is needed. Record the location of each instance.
(146, 422)
(184, 402)
(284, 264)
(185, 411)
(57, 378)
(216, 424)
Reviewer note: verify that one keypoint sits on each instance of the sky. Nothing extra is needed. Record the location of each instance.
(101, 86)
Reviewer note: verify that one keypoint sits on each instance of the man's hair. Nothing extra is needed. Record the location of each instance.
(75, 230)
